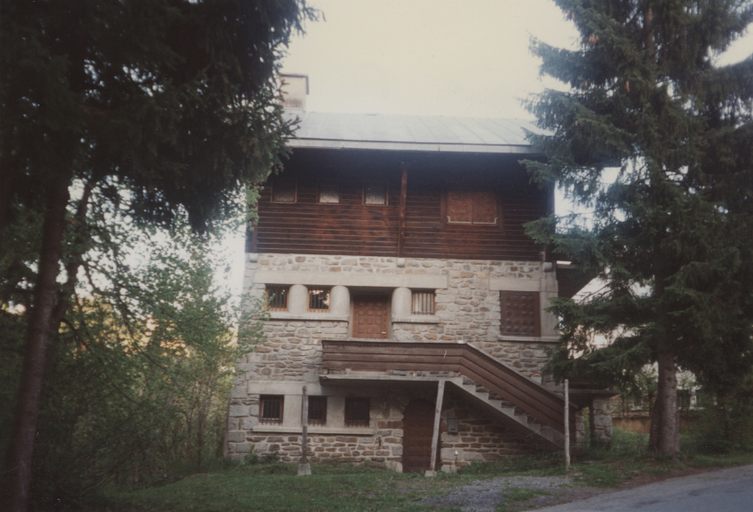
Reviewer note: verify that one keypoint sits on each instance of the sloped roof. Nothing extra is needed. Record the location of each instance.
(410, 133)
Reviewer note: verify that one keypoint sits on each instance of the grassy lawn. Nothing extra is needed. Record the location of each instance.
(275, 487)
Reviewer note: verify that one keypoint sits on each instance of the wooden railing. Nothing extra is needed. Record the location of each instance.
(536, 401)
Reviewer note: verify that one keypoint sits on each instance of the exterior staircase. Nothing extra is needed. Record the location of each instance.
(509, 412)
(489, 382)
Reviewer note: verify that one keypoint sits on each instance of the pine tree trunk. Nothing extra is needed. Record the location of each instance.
(37, 339)
(664, 426)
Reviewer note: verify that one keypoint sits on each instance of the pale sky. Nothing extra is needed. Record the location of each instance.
(431, 57)
(450, 57)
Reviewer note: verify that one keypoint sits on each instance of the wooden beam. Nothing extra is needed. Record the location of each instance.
(403, 201)
(437, 420)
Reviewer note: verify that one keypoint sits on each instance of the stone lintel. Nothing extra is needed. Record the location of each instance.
(423, 281)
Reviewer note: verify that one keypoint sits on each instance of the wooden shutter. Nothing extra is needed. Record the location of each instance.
(520, 313)
(484, 207)
(459, 207)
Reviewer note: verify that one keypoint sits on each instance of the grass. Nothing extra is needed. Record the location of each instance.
(275, 487)
(272, 487)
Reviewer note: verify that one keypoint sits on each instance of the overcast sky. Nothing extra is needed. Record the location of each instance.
(451, 57)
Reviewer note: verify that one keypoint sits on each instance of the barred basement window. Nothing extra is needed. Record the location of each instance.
(318, 299)
(375, 194)
(277, 298)
(356, 412)
(270, 408)
(520, 313)
(422, 302)
(317, 410)
(284, 191)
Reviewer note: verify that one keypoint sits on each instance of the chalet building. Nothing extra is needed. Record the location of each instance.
(400, 289)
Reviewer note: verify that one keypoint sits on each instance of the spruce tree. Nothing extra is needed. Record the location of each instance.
(173, 99)
(671, 235)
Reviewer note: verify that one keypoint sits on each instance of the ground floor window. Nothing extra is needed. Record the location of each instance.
(270, 408)
(357, 411)
(317, 410)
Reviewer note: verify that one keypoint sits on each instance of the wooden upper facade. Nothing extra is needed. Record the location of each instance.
(370, 202)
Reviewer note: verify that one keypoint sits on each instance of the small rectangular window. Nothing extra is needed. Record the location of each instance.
(357, 412)
(284, 191)
(277, 298)
(329, 194)
(422, 302)
(270, 408)
(317, 410)
(520, 313)
(472, 207)
(319, 299)
(375, 194)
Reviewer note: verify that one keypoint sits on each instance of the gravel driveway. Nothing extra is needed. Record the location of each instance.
(487, 495)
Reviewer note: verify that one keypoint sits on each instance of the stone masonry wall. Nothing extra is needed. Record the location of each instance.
(466, 308)
(481, 438)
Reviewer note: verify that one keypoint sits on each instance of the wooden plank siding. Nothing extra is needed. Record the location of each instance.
(352, 228)
(535, 400)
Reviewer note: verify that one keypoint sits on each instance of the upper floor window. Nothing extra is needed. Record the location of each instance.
(319, 299)
(520, 313)
(277, 298)
(317, 410)
(422, 302)
(270, 408)
(472, 207)
(375, 194)
(329, 193)
(357, 411)
(284, 191)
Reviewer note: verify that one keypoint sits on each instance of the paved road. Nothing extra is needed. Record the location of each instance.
(726, 490)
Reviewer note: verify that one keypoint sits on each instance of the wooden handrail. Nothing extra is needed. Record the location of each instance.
(536, 401)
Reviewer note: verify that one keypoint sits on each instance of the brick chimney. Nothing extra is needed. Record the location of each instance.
(295, 88)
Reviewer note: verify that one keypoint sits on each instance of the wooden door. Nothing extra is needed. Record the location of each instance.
(371, 317)
(418, 425)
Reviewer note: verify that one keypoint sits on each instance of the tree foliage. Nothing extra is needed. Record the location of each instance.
(137, 385)
(670, 236)
(173, 100)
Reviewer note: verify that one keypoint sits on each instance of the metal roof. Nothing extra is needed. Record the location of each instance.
(410, 133)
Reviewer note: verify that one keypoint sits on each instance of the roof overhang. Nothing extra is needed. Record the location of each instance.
(411, 146)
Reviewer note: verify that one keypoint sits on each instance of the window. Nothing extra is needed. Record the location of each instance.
(270, 408)
(520, 313)
(277, 298)
(317, 410)
(318, 299)
(356, 412)
(375, 194)
(284, 191)
(472, 207)
(329, 194)
(422, 302)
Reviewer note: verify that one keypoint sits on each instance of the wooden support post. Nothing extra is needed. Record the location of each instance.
(403, 201)
(435, 434)
(567, 425)
(304, 468)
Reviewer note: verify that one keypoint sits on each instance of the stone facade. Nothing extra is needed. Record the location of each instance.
(467, 308)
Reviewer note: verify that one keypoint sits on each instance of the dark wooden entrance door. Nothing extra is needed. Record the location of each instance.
(371, 318)
(418, 425)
